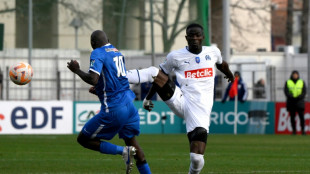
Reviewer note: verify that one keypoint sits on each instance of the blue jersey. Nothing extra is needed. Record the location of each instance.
(112, 87)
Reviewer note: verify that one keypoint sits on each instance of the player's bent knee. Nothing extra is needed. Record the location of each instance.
(82, 140)
(197, 163)
(198, 134)
(167, 91)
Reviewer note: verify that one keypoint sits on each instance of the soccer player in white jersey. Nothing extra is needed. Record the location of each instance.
(194, 67)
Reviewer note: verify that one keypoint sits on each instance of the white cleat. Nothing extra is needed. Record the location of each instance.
(128, 153)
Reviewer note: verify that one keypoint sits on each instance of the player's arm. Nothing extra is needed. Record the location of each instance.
(224, 68)
(90, 77)
(160, 80)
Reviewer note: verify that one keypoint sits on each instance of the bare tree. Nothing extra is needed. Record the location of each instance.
(6, 8)
(161, 15)
(304, 27)
(88, 11)
(289, 22)
(253, 14)
(255, 17)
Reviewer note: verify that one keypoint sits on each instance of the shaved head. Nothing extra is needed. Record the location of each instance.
(98, 39)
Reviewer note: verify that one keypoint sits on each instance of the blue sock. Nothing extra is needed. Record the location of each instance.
(144, 169)
(109, 148)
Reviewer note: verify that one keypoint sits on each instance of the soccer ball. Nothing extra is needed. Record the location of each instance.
(21, 73)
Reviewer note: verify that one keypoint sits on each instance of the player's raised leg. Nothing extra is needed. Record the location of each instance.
(100, 146)
(136, 76)
(100, 127)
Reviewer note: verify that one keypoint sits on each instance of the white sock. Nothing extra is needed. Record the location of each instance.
(133, 76)
(197, 163)
(143, 75)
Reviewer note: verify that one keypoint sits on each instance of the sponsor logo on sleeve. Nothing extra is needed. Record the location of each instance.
(92, 62)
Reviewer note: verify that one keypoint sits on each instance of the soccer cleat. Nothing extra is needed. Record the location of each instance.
(128, 153)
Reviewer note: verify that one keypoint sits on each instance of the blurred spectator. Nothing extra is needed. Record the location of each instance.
(259, 89)
(295, 92)
(238, 86)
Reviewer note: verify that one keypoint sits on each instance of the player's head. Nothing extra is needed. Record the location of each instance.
(194, 36)
(237, 74)
(295, 75)
(98, 39)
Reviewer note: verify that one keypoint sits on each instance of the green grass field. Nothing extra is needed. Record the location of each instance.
(165, 154)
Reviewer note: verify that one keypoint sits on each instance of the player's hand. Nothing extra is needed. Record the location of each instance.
(73, 65)
(92, 90)
(148, 105)
(230, 79)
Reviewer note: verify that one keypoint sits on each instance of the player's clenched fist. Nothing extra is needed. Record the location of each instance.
(148, 105)
(73, 65)
(92, 90)
(230, 79)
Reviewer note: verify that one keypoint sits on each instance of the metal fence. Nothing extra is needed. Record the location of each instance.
(53, 81)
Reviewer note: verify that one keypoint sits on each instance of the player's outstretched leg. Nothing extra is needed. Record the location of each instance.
(141, 163)
(136, 76)
(104, 147)
(97, 145)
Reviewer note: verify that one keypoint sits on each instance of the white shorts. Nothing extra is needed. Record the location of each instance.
(183, 109)
(176, 102)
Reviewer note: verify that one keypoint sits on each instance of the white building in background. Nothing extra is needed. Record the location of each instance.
(52, 24)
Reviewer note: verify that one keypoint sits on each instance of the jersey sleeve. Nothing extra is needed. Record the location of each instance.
(168, 65)
(218, 55)
(95, 63)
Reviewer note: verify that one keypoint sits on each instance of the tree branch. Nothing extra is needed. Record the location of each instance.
(177, 17)
(8, 10)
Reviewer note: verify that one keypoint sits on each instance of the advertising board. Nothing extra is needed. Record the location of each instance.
(33, 117)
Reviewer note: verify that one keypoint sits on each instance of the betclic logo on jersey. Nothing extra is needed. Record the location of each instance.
(199, 73)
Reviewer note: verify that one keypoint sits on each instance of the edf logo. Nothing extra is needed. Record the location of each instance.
(1, 118)
(20, 116)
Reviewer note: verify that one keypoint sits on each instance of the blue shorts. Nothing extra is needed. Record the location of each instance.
(125, 121)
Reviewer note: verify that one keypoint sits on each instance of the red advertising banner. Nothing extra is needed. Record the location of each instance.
(283, 123)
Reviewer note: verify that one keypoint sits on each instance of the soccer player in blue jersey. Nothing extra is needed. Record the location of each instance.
(118, 115)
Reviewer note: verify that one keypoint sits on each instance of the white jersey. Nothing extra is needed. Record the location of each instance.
(195, 73)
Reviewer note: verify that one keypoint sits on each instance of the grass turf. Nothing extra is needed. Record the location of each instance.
(164, 153)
